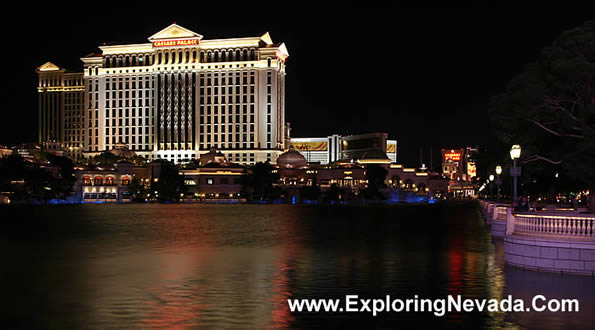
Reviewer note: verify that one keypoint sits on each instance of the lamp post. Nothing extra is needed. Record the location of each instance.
(515, 172)
(491, 183)
(498, 182)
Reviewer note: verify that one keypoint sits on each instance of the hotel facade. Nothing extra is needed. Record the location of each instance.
(173, 98)
(336, 147)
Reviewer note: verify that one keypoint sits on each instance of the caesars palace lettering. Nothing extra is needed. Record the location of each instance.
(183, 42)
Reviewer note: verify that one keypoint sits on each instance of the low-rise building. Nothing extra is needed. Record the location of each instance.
(103, 184)
(214, 180)
(295, 172)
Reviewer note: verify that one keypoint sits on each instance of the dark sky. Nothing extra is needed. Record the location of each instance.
(423, 75)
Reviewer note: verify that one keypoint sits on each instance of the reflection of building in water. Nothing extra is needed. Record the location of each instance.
(459, 166)
(325, 150)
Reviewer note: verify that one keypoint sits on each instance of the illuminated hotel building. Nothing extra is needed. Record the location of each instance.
(178, 96)
(458, 165)
(60, 98)
(336, 147)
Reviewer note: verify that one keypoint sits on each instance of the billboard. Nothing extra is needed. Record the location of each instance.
(471, 170)
(310, 146)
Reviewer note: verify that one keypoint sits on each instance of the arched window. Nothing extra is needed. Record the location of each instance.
(230, 55)
(107, 60)
(202, 57)
(90, 71)
(216, 57)
(223, 56)
(208, 57)
(96, 71)
(238, 54)
(252, 55)
(86, 181)
(194, 56)
(245, 55)
(269, 61)
(98, 181)
(125, 181)
(109, 180)
(159, 58)
(127, 62)
(187, 56)
(166, 61)
(180, 57)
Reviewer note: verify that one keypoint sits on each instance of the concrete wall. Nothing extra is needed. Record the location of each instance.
(546, 254)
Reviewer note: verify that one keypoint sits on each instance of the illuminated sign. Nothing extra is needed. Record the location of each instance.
(471, 170)
(174, 43)
(454, 156)
(391, 147)
(310, 146)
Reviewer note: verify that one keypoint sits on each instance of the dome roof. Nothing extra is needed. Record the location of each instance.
(213, 156)
(121, 150)
(292, 159)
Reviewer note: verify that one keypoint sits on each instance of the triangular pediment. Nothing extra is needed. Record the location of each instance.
(49, 66)
(282, 52)
(267, 39)
(174, 31)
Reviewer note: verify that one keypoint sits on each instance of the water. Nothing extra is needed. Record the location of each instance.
(234, 266)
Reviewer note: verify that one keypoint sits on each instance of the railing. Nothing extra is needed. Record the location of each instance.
(564, 226)
(500, 213)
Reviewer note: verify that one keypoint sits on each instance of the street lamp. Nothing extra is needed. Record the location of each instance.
(498, 182)
(491, 183)
(515, 172)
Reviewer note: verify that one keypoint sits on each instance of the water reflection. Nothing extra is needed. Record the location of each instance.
(235, 266)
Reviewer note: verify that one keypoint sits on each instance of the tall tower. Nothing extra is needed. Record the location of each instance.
(179, 95)
(60, 96)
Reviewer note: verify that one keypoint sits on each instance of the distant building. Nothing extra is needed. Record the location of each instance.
(61, 96)
(459, 166)
(325, 150)
(104, 184)
(5, 151)
(214, 180)
(295, 172)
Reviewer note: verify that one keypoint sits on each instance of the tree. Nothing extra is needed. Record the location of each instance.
(375, 174)
(106, 158)
(549, 110)
(259, 181)
(137, 190)
(63, 186)
(170, 183)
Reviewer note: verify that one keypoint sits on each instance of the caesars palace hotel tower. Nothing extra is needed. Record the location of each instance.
(173, 98)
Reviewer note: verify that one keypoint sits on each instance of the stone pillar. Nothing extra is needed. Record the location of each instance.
(509, 221)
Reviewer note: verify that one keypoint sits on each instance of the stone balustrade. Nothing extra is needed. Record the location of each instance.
(555, 225)
(561, 241)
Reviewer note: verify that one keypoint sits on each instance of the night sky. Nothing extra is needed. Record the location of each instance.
(425, 76)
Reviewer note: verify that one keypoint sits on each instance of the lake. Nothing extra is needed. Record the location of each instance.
(235, 266)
